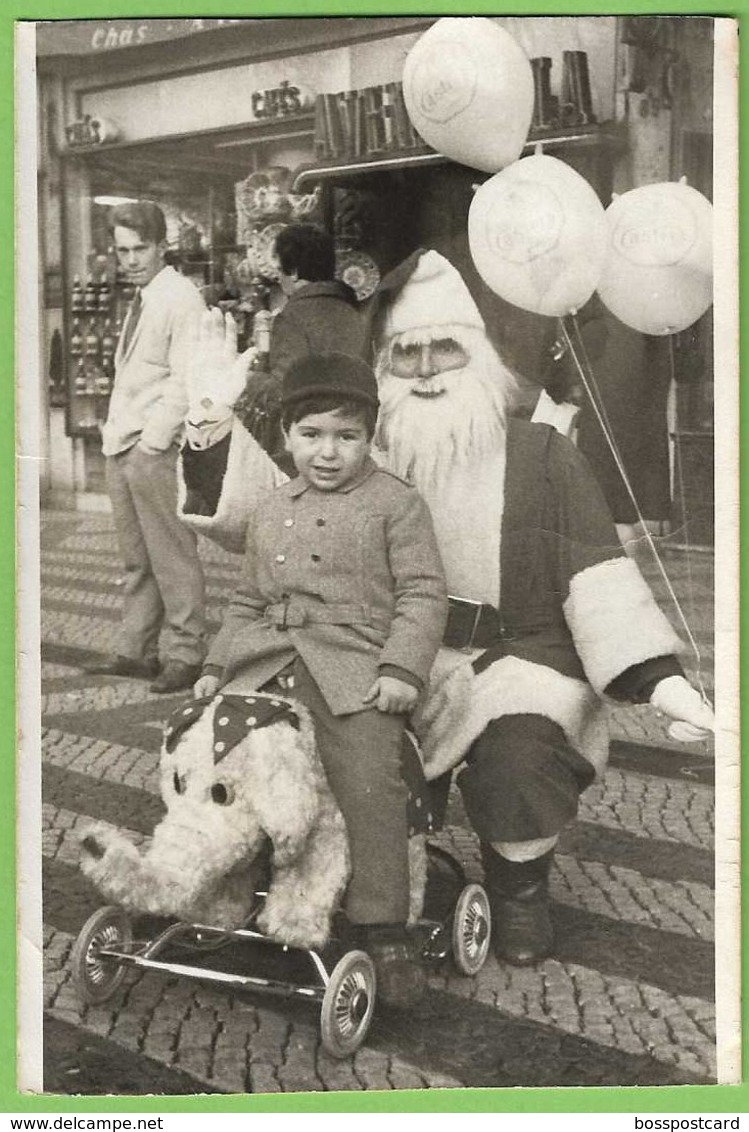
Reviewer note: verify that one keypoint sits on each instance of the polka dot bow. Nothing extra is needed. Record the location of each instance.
(233, 719)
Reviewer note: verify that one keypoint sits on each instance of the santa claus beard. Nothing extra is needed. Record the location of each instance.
(458, 420)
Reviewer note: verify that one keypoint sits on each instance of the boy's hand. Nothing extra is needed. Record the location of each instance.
(392, 695)
(676, 698)
(205, 686)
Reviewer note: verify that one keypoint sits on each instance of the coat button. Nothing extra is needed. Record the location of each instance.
(280, 558)
(288, 522)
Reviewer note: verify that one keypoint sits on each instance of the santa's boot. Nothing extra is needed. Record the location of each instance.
(522, 931)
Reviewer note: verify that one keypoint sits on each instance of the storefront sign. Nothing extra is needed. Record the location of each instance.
(277, 103)
(362, 123)
(85, 37)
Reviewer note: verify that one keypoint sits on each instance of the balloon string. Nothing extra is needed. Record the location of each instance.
(589, 383)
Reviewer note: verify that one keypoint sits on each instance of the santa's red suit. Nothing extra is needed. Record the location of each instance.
(549, 616)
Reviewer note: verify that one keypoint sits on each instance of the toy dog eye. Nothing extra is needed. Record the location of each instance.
(179, 783)
(222, 795)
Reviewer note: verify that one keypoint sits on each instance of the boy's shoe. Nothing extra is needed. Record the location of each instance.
(176, 676)
(401, 980)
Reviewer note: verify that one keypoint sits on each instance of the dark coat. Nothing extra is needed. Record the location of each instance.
(318, 318)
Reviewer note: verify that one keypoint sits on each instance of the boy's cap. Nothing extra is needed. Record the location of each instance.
(338, 374)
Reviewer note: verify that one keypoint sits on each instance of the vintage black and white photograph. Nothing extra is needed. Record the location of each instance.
(370, 375)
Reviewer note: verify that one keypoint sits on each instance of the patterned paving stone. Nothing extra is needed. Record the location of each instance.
(651, 808)
(126, 765)
(569, 997)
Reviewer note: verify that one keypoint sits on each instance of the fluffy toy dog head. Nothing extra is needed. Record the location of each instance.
(237, 772)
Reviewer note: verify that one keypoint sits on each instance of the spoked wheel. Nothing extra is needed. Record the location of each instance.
(95, 976)
(472, 925)
(348, 1004)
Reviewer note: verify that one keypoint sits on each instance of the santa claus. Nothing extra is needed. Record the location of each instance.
(548, 618)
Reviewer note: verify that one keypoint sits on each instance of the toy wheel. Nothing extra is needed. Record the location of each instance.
(348, 1004)
(472, 922)
(95, 977)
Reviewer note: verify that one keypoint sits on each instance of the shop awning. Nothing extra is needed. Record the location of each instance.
(388, 162)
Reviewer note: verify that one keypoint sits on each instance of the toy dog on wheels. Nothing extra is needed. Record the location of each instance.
(253, 850)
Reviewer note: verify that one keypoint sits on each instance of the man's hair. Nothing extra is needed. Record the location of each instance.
(330, 403)
(141, 216)
(307, 250)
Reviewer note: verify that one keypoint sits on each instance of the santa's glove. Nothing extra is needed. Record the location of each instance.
(216, 373)
(693, 716)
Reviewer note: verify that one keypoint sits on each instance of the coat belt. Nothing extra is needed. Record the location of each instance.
(291, 614)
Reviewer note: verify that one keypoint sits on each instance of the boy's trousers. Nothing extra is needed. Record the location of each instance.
(361, 754)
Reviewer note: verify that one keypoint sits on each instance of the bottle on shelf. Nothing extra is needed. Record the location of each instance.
(108, 346)
(76, 339)
(102, 384)
(76, 296)
(91, 340)
(105, 295)
(91, 296)
(80, 383)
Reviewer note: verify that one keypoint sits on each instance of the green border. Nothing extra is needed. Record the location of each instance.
(676, 1099)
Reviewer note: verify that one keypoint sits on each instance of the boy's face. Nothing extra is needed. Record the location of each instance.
(328, 449)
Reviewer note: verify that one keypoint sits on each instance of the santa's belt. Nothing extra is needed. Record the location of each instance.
(289, 614)
(472, 625)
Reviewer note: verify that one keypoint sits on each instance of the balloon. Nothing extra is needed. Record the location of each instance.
(537, 233)
(468, 89)
(658, 274)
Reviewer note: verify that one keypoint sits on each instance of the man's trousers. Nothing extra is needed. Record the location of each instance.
(164, 583)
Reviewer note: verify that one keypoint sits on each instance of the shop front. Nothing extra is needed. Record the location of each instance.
(240, 128)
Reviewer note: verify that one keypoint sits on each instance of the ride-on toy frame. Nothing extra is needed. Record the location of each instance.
(341, 981)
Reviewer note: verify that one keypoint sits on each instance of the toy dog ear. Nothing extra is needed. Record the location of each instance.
(282, 789)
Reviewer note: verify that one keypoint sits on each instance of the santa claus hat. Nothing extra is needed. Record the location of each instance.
(433, 295)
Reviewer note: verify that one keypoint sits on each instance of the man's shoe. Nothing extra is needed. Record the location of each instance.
(176, 676)
(401, 979)
(522, 929)
(123, 666)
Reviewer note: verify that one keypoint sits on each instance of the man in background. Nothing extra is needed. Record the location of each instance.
(321, 314)
(164, 579)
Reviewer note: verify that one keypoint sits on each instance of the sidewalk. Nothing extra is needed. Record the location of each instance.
(628, 998)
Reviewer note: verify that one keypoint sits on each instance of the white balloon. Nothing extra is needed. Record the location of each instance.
(537, 234)
(658, 274)
(468, 89)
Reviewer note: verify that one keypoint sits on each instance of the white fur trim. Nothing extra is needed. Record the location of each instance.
(462, 704)
(249, 473)
(615, 622)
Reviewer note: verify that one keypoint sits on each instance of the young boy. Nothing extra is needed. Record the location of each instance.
(342, 591)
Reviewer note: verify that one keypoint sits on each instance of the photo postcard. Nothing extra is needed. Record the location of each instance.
(377, 561)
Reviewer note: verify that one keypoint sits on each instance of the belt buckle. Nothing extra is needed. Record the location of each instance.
(477, 607)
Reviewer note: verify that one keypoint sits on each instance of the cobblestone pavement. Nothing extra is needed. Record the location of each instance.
(628, 999)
